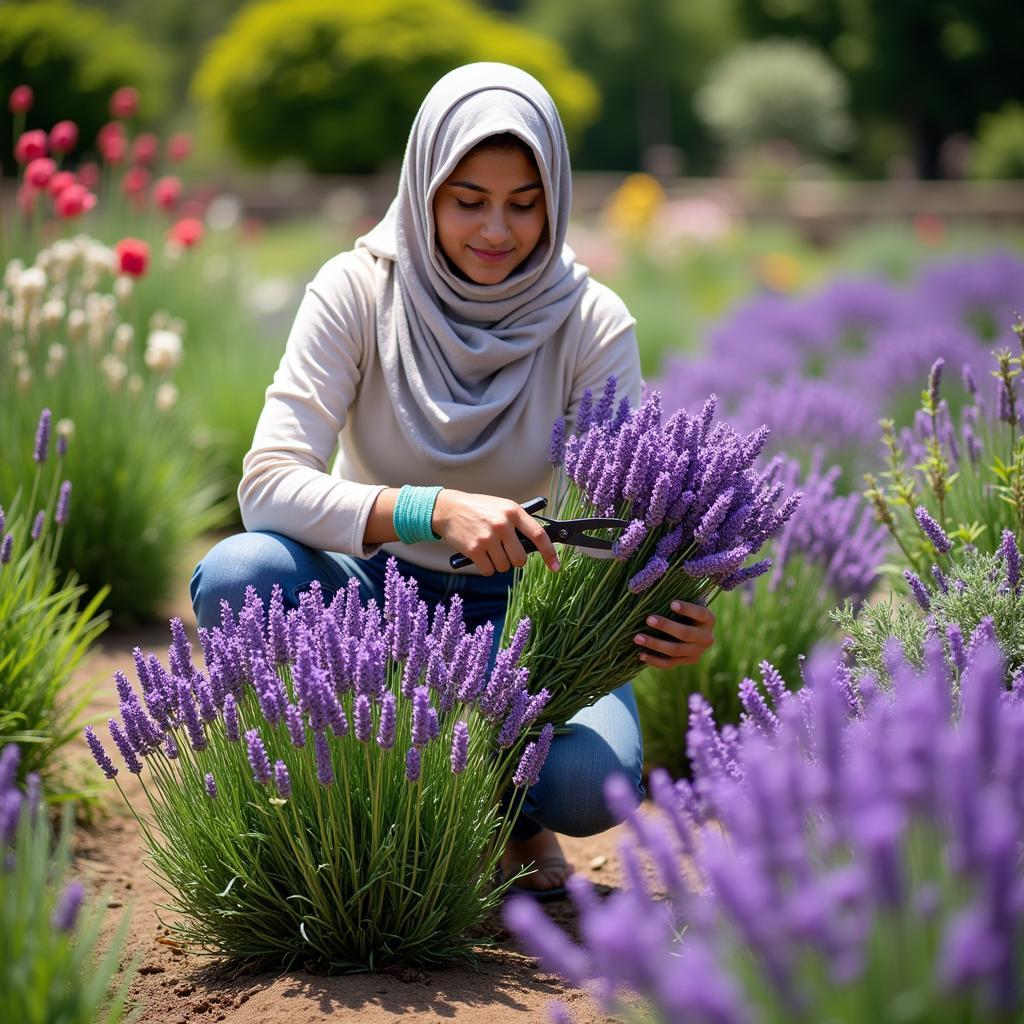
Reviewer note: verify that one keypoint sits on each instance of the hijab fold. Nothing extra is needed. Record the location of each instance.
(458, 355)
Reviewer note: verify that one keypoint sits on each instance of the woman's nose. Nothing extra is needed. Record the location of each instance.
(494, 229)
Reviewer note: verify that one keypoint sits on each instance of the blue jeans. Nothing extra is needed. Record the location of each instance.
(603, 738)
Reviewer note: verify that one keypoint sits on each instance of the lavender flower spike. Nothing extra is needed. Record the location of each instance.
(412, 764)
(101, 756)
(211, 785)
(628, 542)
(42, 446)
(324, 764)
(1011, 557)
(282, 780)
(37, 525)
(60, 517)
(557, 450)
(919, 590)
(460, 747)
(117, 734)
(934, 381)
(258, 760)
(6, 549)
(65, 914)
(931, 529)
(387, 727)
(648, 575)
(532, 762)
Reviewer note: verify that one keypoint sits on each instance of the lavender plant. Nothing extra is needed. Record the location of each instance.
(973, 597)
(329, 786)
(71, 339)
(850, 854)
(697, 510)
(51, 967)
(829, 551)
(46, 624)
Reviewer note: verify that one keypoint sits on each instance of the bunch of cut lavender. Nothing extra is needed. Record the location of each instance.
(945, 488)
(975, 596)
(329, 786)
(46, 627)
(829, 551)
(698, 511)
(50, 963)
(864, 862)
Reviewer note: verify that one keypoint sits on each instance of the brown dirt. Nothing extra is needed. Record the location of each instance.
(172, 987)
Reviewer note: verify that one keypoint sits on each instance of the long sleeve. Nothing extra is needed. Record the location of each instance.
(286, 486)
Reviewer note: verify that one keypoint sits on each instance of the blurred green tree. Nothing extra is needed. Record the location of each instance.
(647, 57)
(337, 85)
(73, 59)
(999, 152)
(934, 67)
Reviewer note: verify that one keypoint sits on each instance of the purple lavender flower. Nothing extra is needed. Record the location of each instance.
(257, 754)
(6, 549)
(603, 409)
(180, 652)
(932, 530)
(421, 708)
(282, 780)
(557, 450)
(42, 446)
(583, 414)
(362, 718)
(211, 785)
(460, 747)
(296, 727)
(513, 723)
(934, 382)
(388, 719)
(3, 519)
(970, 384)
(65, 914)
(956, 648)
(940, 579)
(648, 575)
(918, 589)
(718, 563)
(744, 575)
(60, 516)
(100, 755)
(123, 744)
(628, 542)
(1011, 558)
(231, 727)
(190, 716)
(324, 762)
(37, 525)
(412, 764)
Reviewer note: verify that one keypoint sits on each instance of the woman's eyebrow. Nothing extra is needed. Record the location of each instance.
(487, 192)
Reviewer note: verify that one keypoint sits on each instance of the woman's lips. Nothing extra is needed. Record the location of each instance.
(489, 256)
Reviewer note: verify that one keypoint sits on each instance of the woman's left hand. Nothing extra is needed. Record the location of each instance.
(681, 643)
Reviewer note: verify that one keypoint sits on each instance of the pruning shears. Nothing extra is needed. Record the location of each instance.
(562, 531)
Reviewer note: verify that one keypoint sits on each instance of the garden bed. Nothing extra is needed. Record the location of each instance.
(173, 987)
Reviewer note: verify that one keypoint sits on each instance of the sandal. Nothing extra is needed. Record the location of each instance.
(555, 892)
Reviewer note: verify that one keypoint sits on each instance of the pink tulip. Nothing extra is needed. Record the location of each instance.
(135, 181)
(187, 232)
(179, 147)
(133, 256)
(125, 102)
(63, 136)
(113, 149)
(73, 201)
(21, 99)
(167, 192)
(60, 181)
(145, 148)
(31, 146)
(39, 172)
(89, 174)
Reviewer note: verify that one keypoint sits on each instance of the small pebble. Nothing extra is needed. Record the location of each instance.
(598, 862)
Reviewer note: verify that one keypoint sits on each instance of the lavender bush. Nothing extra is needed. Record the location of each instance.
(329, 786)
(71, 338)
(50, 963)
(850, 854)
(46, 625)
(697, 510)
(828, 552)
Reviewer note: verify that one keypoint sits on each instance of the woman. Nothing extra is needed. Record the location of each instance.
(436, 357)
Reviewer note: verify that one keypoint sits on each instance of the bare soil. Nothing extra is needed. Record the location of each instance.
(173, 987)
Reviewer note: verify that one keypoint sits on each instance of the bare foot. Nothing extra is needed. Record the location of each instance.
(543, 850)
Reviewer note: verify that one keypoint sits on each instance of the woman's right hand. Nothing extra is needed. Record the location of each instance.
(483, 527)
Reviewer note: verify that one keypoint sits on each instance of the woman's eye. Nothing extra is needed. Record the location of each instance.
(463, 205)
(521, 208)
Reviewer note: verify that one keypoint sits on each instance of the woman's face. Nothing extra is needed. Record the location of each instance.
(490, 214)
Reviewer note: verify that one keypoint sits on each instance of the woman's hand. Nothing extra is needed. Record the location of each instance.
(687, 643)
(483, 528)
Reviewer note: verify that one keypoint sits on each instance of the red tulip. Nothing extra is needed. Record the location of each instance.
(31, 146)
(39, 172)
(179, 146)
(135, 181)
(187, 232)
(113, 149)
(20, 99)
(125, 102)
(63, 136)
(133, 256)
(110, 129)
(89, 174)
(167, 192)
(60, 181)
(145, 148)
(73, 201)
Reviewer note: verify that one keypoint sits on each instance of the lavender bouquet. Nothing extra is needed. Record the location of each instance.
(857, 854)
(828, 552)
(698, 510)
(329, 786)
(50, 963)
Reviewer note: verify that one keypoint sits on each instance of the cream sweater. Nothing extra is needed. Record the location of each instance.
(330, 394)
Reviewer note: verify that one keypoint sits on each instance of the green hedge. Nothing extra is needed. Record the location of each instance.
(337, 85)
(74, 60)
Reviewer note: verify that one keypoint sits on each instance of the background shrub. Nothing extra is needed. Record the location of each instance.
(999, 149)
(337, 85)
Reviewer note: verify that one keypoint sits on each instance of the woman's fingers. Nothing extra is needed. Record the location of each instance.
(535, 532)
(677, 643)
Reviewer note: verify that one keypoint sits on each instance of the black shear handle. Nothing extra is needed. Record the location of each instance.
(533, 506)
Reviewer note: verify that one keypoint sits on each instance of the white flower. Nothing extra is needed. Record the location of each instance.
(99, 258)
(159, 320)
(76, 324)
(24, 380)
(114, 370)
(65, 428)
(163, 350)
(19, 357)
(123, 288)
(166, 396)
(53, 312)
(31, 284)
(12, 273)
(57, 352)
(124, 336)
(64, 251)
(135, 385)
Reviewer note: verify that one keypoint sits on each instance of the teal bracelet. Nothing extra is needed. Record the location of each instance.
(413, 511)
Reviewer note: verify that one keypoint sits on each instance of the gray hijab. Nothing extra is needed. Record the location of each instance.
(458, 355)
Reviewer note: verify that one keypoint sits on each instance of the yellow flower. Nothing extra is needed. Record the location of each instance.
(634, 205)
